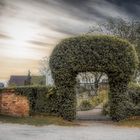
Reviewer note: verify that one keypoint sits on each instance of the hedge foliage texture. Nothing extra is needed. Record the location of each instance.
(111, 55)
(134, 94)
(42, 99)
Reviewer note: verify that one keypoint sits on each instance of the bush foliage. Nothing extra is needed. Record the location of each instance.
(106, 109)
(108, 54)
(134, 99)
(85, 105)
(101, 98)
(95, 100)
(134, 95)
(42, 99)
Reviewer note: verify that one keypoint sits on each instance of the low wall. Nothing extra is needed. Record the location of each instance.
(29, 100)
(13, 105)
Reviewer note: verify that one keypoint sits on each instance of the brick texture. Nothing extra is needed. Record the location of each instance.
(13, 105)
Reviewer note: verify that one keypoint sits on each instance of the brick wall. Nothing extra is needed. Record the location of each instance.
(13, 105)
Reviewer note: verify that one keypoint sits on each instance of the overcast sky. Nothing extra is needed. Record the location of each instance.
(30, 29)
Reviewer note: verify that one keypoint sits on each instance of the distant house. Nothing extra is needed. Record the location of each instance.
(20, 80)
(1, 85)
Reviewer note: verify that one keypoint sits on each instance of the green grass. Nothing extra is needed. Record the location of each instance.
(42, 120)
(130, 122)
(36, 120)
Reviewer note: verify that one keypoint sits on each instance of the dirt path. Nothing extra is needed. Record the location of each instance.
(94, 114)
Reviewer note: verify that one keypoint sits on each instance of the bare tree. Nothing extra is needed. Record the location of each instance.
(45, 70)
(90, 81)
(98, 77)
(126, 29)
(44, 65)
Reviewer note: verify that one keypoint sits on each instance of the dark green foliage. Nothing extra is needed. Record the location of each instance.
(111, 55)
(106, 109)
(42, 99)
(134, 94)
(85, 105)
(134, 99)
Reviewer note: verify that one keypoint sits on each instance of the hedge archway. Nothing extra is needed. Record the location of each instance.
(111, 55)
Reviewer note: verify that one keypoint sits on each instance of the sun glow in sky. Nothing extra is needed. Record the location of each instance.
(20, 33)
(30, 29)
(17, 46)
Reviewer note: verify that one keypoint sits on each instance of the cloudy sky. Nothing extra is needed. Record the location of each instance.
(30, 29)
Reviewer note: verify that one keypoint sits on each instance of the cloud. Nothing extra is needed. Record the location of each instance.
(50, 21)
(132, 7)
(69, 17)
(40, 43)
(72, 17)
(4, 36)
(86, 9)
(2, 4)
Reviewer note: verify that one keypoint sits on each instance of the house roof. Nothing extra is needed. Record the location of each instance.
(19, 80)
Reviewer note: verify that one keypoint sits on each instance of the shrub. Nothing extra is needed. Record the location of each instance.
(95, 100)
(100, 98)
(42, 99)
(111, 55)
(85, 105)
(134, 95)
(106, 109)
(134, 100)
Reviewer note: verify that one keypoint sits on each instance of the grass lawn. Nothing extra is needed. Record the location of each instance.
(41, 120)
(131, 122)
(37, 120)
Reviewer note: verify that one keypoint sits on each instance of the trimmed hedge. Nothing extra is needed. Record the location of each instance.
(134, 100)
(134, 94)
(111, 55)
(42, 99)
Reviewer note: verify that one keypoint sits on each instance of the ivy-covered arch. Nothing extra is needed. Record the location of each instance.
(111, 55)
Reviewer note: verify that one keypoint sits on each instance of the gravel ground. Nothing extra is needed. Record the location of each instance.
(88, 131)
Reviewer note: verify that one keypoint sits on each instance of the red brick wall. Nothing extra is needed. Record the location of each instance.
(13, 105)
